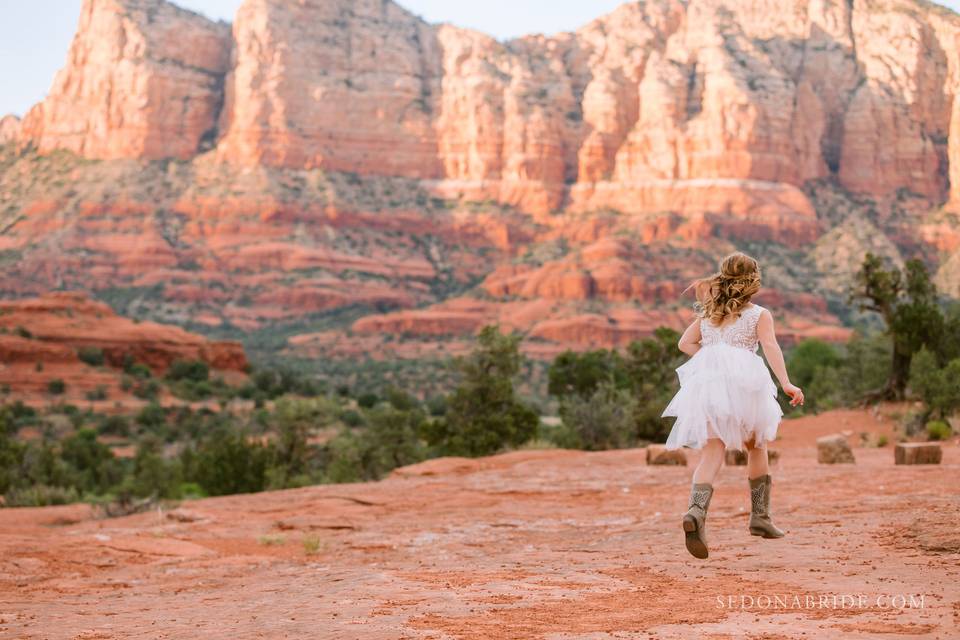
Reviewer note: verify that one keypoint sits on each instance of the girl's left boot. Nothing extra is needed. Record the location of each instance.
(760, 522)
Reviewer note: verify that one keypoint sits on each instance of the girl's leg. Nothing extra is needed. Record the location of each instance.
(701, 491)
(757, 461)
(711, 459)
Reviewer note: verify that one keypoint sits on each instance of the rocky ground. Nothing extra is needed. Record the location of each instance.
(530, 544)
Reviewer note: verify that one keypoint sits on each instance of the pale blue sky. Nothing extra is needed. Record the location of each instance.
(35, 34)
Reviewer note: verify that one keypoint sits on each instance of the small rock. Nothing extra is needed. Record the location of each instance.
(659, 454)
(833, 449)
(917, 453)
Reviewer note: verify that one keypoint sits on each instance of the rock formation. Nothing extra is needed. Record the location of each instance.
(656, 97)
(41, 338)
(9, 129)
(345, 166)
(143, 79)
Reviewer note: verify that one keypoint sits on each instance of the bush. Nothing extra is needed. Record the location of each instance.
(139, 370)
(153, 416)
(152, 474)
(938, 430)
(194, 370)
(40, 495)
(368, 400)
(114, 425)
(145, 389)
(226, 462)
(937, 386)
(92, 467)
(99, 393)
(57, 387)
(604, 420)
(392, 439)
(483, 413)
(814, 366)
(93, 356)
(351, 418)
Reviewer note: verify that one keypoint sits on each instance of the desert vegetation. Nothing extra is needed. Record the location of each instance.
(282, 428)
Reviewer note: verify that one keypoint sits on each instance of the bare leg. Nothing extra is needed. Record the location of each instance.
(757, 462)
(711, 460)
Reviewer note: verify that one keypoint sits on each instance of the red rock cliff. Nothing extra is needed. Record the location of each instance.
(655, 97)
(143, 79)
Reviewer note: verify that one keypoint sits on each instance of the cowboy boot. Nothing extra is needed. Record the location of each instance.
(760, 523)
(695, 519)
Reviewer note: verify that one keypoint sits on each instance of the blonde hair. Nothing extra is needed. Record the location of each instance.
(729, 290)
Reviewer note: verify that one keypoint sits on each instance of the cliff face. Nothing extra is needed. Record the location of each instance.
(143, 79)
(647, 98)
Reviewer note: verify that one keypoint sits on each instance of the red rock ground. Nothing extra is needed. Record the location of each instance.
(530, 544)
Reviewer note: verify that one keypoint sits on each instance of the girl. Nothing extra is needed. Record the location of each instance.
(727, 398)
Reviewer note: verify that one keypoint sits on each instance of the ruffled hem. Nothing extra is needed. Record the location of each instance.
(725, 392)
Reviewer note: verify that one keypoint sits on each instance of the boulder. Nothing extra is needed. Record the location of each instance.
(659, 454)
(833, 449)
(917, 453)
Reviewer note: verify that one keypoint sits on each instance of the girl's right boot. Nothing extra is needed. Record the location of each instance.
(695, 519)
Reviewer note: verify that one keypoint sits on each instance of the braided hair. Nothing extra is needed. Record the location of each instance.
(726, 292)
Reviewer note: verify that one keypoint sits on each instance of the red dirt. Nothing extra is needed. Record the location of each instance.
(530, 544)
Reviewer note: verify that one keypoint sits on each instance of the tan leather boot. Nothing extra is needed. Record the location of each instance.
(695, 519)
(760, 523)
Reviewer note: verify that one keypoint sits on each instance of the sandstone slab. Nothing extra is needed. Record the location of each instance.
(834, 449)
(917, 453)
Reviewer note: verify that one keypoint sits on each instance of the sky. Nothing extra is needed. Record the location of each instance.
(35, 34)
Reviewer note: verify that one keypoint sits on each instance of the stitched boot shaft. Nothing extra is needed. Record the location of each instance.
(695, 519)
(760, 521)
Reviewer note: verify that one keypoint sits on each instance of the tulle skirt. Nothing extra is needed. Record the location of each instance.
(725, 392)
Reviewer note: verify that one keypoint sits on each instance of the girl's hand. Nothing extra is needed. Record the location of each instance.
(795, 393)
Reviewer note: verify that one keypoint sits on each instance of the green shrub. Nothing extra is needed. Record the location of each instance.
(115, 425)
(226, 462)
(368, 400)
(40, 495)
(604, 420)
(937, 386)
(351, 418)
(99, 393)
(91, 465)
(938, 430)
(194, 370)
(191, 491)
(152, 416)
(93, 356)
(138, 370)
(483, 413)
(391, 439)
(57, 386)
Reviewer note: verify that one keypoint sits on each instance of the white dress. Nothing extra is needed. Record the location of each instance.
(726, 390)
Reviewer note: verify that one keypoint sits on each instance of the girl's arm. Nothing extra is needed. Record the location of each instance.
(771, 349)
(690, 340)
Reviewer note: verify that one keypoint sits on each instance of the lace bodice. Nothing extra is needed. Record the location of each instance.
(742, 332)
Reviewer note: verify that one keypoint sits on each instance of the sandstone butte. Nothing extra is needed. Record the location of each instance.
(321, 156)
(41, 339)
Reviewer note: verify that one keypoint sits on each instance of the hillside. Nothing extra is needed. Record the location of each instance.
(531, 544)
(331, 179)
(82, 345)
